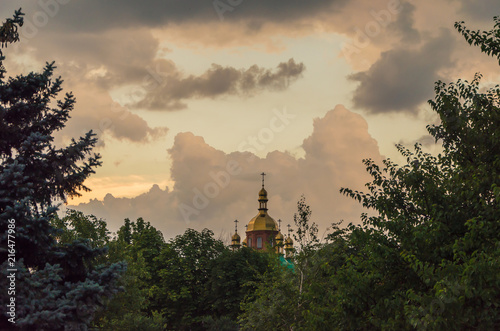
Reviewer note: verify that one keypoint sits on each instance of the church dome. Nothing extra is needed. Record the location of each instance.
(262, 222)
(235, 237)
(279, 237)
(262, 193)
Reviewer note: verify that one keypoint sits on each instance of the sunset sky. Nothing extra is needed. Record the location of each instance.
(192, 100)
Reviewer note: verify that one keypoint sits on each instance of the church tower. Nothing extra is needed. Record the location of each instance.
(262, 229)
(235, 239)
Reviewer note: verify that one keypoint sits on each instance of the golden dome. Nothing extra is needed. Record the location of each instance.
(262, 193)
(279, 237)
(262, 222)
(235, 237)
(289, 241)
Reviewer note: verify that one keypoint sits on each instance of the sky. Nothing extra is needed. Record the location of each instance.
(192, 100)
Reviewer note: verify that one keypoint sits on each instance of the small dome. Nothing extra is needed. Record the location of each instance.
(235, 237)
(262, 222)
(279, 237)
(262, 193)
(289, 241)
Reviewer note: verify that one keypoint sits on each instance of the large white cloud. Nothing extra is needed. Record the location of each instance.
(213, 188)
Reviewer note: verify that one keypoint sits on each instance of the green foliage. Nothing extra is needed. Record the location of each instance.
(429, 257)
(272, 306)
(183, 270)
(77, 225)
(306, 234)
(233, 277)
(137, 243)
(9, 34)
(433, 249)
(488, 41)
(56, 287)
(285, 298)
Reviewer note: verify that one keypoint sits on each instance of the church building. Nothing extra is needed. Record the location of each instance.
(263, 231)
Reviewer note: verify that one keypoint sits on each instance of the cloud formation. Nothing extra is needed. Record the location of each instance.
(92, 15)
(95, 110)
(212, 188)
(482, 10)
(171, 88)
(403, 77)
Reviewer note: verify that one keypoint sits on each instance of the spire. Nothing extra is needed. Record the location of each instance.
(263, 196)
(235, 239)
(289, 244)
(279, 239)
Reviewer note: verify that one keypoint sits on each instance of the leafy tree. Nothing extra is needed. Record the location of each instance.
(306, 234)
(180, 281)
(431, 258)
(283, 298)
(77, 225)
(233, 277)
(137, 243)
(146, 241)
(272, 305)
(55, 289)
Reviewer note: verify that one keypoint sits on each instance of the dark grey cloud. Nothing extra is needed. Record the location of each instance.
(481, 10)
(92, 15)
(426, 141)
(171, 88)
(403, 77)
(117, 58)
(404, 24)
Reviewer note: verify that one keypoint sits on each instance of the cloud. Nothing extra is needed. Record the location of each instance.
(169, 91)
(212, 188)
(128, 59)
(95, 110)
(482, 10)
(403, 78)
(404, 24)
(93, 15)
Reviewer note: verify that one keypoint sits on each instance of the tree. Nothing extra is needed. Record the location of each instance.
(76, 225)
(233, 277)
(284, 298)
(183, 270)
(431, 257)
(50, 293)
(138, 243)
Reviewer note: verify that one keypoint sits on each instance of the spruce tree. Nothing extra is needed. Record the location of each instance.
(55, 286)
